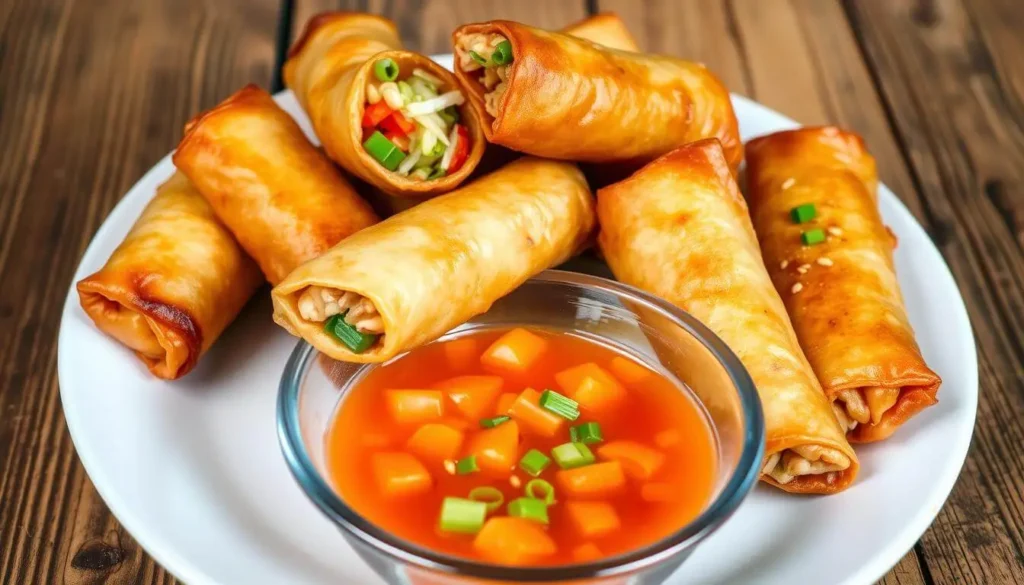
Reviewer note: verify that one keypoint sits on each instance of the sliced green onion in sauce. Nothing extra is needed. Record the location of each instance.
(462, 515)
(352, 338)
(490, 423)
(502, 53)
(588, 433)
(540, 489)
(534, 463)
(466, 465)
(563, 406)
(572, 455)
(529, 509)
(490, 496)
(386, 69)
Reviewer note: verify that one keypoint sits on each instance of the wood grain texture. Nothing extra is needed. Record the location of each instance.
(954, 95)
(92, 94)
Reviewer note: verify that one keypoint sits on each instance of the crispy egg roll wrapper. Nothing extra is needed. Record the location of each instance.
(605, 28)
(849, 316)
(679, 229)
(568, 98)
(279, 195)
(437, 265)
(173, 285)
(328, 69)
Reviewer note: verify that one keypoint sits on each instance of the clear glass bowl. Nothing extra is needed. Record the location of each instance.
(653, 330)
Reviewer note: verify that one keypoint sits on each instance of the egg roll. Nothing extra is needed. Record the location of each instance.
(280, 196)
(414, 276)
(173, 285)
(605, 28)
(841, 294)
(562, 97)
(678, 228)
(332, 70)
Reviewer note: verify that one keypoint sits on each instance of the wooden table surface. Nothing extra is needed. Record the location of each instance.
(94, 92)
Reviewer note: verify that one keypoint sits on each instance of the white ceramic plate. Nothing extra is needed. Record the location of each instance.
(193, 470)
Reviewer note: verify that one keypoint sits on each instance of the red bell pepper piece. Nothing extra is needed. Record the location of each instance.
(397, 123)
(399, 140)
(374, 113)
(461, 147)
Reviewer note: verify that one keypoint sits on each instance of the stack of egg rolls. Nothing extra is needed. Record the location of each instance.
(328, 69)
(567, 98)
(279, 195)
(175, 282)
(679, 229)
(841, 294)
(416, 275)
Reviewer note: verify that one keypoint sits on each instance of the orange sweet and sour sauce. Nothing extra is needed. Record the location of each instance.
(653, 471)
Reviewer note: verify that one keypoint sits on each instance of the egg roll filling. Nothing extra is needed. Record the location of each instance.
(410, 125)
(864, 405)
(786, 465)
(319, 304)
(491, 55)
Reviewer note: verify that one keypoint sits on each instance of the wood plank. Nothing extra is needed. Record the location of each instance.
(93, 94)
(906, 572)
(958, 99)
(426, 26)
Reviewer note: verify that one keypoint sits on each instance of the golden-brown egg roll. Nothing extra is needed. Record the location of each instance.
(679, 228)
(418, 274)
(279, 195)
(605, 28)
(841, 294)
(567, 98)
(329, 69)
(175, 282)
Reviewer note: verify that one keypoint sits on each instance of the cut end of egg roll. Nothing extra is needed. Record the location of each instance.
(847, 310)
(411, 278)
(605, 28)
(173, 285)
(329, 69)
(679, 229)
(559, 96)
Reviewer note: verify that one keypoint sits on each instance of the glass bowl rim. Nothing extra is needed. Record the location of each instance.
(736, 488)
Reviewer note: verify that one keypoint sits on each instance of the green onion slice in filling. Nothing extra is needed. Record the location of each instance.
(351, 337)
(502, 53)
(540, 489)
(462, 515)
(476, 57)
(529, 508)
(386, 152)
(490, 496)
(386, 69)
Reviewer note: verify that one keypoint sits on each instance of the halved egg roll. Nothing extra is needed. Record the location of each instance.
(558, 96)
(605, 29)
(173, 285)
(679, 228)
(279, 195)
(416, 275)
(392, 117)
(818, 186)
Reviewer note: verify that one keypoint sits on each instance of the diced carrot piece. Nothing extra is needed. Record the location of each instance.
(586, 552)
(457, 422)
(435, 442)
(628, 370)
(593, 519)
(514, 352)
(472, 395)
(505, 402)
(509, 540)
(375, 440)
(414, 407)
(638, 460)
(668, 438)
(462, 353)
(659, 492)
(400, 474)
(599, 480)
(496, 449)
(528, 412)
(592, 386)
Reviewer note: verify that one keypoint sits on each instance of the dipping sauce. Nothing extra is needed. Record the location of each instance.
(590, 452)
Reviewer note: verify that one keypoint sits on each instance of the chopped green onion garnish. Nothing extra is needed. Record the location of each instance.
(406, 90)
(502, 53)
(490, 423)
(491, 496)
(462, 515)
(386, 69)
(572, 455)
(385, 151)
(355, 341)
(467, 465)
(588, 433)
(811, 237)
(529, 508)
(540, 489)
(803, 213)
(560, 405)
(534, 462)
(476, 57)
